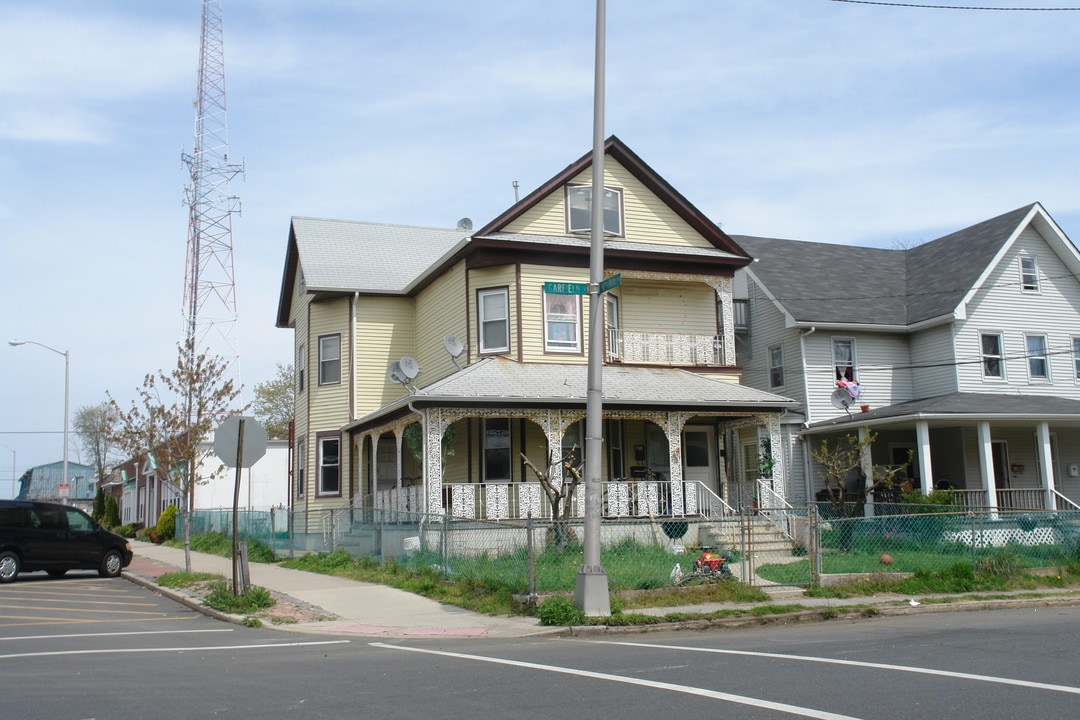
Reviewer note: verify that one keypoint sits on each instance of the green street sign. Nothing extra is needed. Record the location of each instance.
(566, 288)
(612, 282)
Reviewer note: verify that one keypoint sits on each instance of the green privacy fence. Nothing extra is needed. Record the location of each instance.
(788, 546)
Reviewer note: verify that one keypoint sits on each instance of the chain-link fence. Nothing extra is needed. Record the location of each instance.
(782, 546)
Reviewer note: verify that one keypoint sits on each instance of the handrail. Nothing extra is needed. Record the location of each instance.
(775, 507)
(1061, 497)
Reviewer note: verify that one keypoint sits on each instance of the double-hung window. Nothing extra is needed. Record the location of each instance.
(562, 323)
(579, 210)
(1029, 273)
(301, 367)
(776, 366)
(1076, 357)
(993, 361)
(1038, 365)
(301, 466)
(329, 359)
(330, 465)
(493, 312)
(844, 359)
(497, 450)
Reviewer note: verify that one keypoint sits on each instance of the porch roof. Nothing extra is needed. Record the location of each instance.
(499, 382)
(961, 408)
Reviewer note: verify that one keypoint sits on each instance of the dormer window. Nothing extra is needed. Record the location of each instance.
(579, 210)
(1029, 273)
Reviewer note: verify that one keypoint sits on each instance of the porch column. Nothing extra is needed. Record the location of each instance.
(926, 473)
(399, 433)
(986, 466)
(673, 429)
(722, 286)
(866, 463)
(779, 475)
(1046, 463)
(434, 425)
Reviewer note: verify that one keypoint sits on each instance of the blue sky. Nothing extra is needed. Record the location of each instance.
(805, 119)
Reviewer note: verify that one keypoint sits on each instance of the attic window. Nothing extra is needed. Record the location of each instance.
(579, 210)
(1029, 273)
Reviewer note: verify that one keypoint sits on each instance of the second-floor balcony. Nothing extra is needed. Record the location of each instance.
(662, 348)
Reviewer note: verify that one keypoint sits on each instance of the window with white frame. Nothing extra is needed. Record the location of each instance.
(497, 450)
(1038, 365)
(1076, 357)
(611, 325)
(301, 367)
(301, 467)
(1029, 273)
(562, 323)
(993, 360)
(579, 210)
(330, 360)
(330, 465)
(493, 314)
(844, 359)
(776, 366)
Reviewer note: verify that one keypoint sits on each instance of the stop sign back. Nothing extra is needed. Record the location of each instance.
(228, 442)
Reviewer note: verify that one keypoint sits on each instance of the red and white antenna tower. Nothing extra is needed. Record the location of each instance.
(210, 317)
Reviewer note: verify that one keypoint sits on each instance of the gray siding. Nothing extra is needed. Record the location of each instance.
(933, 360)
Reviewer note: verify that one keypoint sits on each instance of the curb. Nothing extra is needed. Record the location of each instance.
(183, 598)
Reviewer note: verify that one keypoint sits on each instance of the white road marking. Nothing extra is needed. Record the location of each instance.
(857, 663)
(685, 689)
(118, 651)
(114, 634)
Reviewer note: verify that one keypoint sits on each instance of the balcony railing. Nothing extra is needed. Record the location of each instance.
(660, 348)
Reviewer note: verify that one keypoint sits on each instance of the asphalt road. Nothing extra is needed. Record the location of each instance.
(62, 658)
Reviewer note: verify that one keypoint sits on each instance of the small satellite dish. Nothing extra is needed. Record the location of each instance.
(409, 367)
(841, 400)
(453, 346)
(394, 373)
(464, 224)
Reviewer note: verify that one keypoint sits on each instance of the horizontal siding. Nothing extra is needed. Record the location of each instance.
(483, 279)
(384, 331)
(440, 311)
(1003, 307)
(533, 278)
(329, 403)
(645, 218)
(688, 307)
(882, 367)
(767, 329)
(933, 357)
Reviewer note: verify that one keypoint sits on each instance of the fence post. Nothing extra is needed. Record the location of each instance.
(974, 553)
(813, 545)
(532, 559)
(273, 535)
(445, 542)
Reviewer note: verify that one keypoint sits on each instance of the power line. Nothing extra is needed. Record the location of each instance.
(921, 6)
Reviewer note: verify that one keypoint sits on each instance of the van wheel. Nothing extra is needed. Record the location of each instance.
(9, 566)
(57, 573)
(111, 564)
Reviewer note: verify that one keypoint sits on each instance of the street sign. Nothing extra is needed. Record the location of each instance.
(566, 288)
(612, 282)
(227, 441)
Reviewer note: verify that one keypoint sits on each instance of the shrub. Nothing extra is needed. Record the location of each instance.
(166, 525)
(560, 610)
(112, 516)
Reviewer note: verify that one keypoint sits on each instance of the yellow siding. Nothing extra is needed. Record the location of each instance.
(533, 278)
(384, 332)
(645, 218)
(440, 311)
(481, 279)
(668, 307)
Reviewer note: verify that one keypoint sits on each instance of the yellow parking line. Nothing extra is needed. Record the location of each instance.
(78, 601)
(99, 612)
(61, 621)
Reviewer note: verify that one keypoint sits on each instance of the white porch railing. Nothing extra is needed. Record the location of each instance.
(660, 348)
(515, 501)
(1009, 499)
(1064, 503)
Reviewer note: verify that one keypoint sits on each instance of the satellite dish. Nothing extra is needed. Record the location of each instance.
(464, 224)
(394, 373)
(841, 400)
(409, 367)
(453, 346)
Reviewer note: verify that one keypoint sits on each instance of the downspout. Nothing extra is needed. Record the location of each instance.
(808, 464)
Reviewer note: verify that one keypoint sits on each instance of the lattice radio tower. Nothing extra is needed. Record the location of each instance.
(210, 317)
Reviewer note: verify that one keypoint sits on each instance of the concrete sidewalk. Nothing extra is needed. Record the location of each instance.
(361, 608)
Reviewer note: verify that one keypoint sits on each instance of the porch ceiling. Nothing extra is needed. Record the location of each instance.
(496, 381)
(960, 409)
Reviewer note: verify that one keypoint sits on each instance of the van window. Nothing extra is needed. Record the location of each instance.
(48, 518)
(79, 521)
(14, 516)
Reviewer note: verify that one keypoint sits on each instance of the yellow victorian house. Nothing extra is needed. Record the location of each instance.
(431, 363)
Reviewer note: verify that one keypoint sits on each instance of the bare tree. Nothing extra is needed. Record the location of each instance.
(172, 419)
(96, 428)
(561, 496)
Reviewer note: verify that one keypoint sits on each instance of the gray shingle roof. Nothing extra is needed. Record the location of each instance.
(499, 381)
(347, 256)
(824, 283)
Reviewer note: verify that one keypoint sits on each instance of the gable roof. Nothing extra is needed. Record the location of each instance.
(825, 284)
(497, 381)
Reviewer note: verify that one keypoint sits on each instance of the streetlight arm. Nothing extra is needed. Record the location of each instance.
(67, 392)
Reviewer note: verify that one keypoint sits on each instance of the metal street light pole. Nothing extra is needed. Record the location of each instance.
(67, 392)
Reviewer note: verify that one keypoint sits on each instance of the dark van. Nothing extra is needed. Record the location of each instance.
(56, 538)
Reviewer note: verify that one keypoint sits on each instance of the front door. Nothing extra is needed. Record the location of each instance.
(699, 456)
